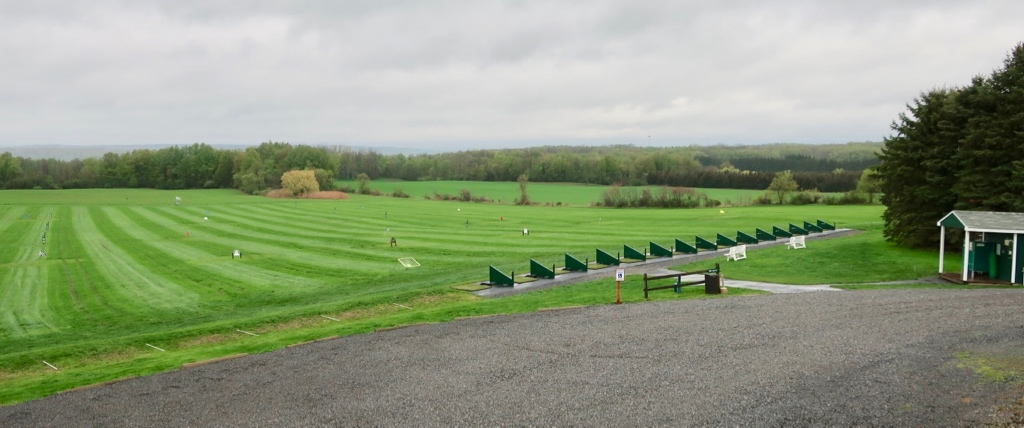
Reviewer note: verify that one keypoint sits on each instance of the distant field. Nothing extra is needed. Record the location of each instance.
(542, 193)
(127, 268)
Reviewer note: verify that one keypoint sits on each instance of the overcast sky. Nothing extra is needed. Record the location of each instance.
(476, 73)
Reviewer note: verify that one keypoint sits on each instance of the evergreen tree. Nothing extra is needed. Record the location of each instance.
(918, 169)
(993, 145)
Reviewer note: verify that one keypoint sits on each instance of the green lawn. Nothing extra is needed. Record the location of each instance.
(862, 258)
(127, 268)
(541, 193)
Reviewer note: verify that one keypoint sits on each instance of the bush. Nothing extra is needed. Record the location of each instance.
(764, 199)
(398, 193)
(848, 198)
(805, 198)
(300, 182)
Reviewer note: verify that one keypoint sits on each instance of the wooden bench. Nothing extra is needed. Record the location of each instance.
(737, 253)
(796, 242)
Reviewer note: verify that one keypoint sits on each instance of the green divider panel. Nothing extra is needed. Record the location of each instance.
(743, 238)
(826, 226)
(603, 257)
(724, 241)
(682, 247)
(764, 236)
(704, 244)
(796, 230)
(540, 271)
(780, 233)
(499, 278)
(632, 253)
(811, 227)
(573, 264)
(659, 251)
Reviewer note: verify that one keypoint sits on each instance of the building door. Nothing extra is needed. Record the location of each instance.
(1004, 260)
(978, 261)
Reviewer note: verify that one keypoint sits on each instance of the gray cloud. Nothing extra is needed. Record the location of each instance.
(469, 73)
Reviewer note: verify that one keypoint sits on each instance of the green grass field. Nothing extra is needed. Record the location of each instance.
(127, 269)
(540, 193)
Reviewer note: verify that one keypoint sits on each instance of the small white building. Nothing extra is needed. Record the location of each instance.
(992, 246)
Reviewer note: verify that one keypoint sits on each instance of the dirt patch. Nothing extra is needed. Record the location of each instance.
(116, 356)
(332, 194)
(294, 324)
(212, 339)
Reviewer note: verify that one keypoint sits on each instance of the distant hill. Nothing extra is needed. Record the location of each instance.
(69, 152)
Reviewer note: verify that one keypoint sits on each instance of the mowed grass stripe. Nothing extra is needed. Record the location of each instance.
(278, 254)
(472, 245)
(256, 237)
(450, 236)
(211, 255)
(15, 232)
(19, 276)
(434, 246)
(23, 302)
(323, 237)
(151, 252)
(441, 261)
(80, 270)
(271, 249)
(135, 284)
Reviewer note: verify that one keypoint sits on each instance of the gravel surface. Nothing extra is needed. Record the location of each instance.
(864, 358)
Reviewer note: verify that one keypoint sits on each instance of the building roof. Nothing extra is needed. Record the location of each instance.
(984, 221)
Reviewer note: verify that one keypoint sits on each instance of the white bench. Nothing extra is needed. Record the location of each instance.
(796, 242)
(737, 253)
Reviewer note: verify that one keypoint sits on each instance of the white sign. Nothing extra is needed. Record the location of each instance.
(620, 275)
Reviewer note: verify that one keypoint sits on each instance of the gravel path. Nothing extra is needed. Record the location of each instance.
(862, 358)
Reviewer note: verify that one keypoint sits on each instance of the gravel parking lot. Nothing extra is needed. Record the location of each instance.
(863, 358)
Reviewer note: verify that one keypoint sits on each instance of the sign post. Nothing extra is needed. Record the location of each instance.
(620, 275)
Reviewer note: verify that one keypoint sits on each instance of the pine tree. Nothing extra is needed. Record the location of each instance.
(993, 146)
(918, 169)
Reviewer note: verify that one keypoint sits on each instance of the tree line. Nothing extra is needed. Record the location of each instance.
(959, 148)
(198, 166)
(827, 168)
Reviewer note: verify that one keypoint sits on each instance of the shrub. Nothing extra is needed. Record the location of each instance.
(806, 197)
(764, 199)
(300, 182)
